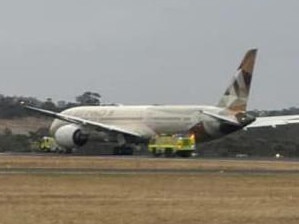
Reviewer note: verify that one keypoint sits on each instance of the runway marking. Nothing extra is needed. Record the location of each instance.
(88, 171)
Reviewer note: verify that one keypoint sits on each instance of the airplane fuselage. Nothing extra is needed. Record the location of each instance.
(152, 119)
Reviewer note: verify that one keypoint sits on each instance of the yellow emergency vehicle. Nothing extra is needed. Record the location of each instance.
(48, 144)
(172, 145)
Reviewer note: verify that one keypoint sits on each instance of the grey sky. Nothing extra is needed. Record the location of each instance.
(149, 51)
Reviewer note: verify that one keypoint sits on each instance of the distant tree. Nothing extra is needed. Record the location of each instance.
(61, 104)
(49, 105)
(32, 101)
(38, 134)
(89, 98)
(20, 143)
(70, 105)
(7, 131)
(10, 107)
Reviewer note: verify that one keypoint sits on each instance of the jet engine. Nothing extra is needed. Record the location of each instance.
(70, 136)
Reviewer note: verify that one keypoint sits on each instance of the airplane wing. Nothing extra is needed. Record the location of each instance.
(83, 122)
(273, 121)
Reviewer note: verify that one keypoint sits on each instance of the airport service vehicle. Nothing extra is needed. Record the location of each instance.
(48, 144)
(138, 124)
(172, 145)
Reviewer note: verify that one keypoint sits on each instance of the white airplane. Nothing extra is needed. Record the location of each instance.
(136, 124)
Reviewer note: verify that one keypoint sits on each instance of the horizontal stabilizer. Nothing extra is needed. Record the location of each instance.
(222, 118)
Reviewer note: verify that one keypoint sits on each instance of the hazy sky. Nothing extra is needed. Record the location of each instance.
(149, 51)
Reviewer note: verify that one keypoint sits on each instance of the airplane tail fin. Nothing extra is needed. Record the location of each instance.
(236, 95)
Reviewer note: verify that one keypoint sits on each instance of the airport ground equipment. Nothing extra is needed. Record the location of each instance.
(48, 144)
(172, 145)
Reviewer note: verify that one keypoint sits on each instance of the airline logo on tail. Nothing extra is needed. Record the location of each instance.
(236, 95)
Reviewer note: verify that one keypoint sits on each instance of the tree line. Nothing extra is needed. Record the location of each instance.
(10, 106)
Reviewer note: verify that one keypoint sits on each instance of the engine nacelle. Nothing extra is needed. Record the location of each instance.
(70, 136)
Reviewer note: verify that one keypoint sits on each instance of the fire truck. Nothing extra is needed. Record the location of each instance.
(172, 145)
(48, 144)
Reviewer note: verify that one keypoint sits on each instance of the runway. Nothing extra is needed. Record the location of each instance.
(52, 164)
(54, 171)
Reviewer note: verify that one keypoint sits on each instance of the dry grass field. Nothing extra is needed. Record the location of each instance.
(148, 198)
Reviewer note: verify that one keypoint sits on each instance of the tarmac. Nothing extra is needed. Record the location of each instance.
(130, 171)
